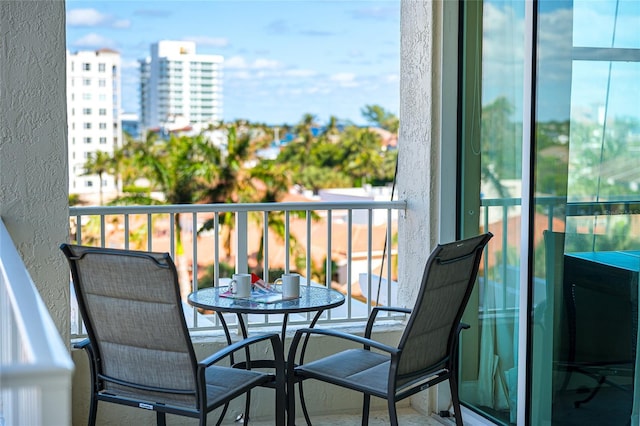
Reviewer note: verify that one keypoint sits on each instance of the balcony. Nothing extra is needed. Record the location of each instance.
(349, 239)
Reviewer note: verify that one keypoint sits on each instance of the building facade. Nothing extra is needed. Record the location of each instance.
(178, 87)
(94, 122)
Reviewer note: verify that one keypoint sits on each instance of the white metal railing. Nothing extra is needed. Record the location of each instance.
(35, 366)
(355, 242)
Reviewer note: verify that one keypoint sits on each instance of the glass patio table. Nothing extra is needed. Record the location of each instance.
(312, 299)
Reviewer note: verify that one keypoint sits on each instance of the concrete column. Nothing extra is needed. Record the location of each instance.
(33, 145)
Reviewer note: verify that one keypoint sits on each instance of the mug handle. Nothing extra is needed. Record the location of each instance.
(277, 281)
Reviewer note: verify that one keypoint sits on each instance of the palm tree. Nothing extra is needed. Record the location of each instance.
(232, 184)
(181, 168)
(377, 115)
(99, 163)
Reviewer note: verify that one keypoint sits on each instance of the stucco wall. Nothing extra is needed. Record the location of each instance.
(419, 140)
(419, 150)
(33, 144)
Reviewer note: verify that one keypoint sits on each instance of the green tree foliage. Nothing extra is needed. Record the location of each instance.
(99, 163)
(377, 115)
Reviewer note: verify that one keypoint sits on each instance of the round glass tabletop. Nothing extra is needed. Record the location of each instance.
(311, 299)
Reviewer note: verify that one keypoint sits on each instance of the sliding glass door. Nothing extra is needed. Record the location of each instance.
(574, 269)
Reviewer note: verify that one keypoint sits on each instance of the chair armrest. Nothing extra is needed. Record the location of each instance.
(82, 344)
(338, 334)
(374, 314)
(223, 353)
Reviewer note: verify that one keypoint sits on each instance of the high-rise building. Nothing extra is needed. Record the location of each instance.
(93, 111)
(179, 86)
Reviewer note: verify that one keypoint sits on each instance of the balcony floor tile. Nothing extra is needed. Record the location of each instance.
(406, 417)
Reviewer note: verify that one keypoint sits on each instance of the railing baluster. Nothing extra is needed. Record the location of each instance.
(126, 231)
(149, 232)
(349, 261)
(389, 248)
(265, 251)
(216, 249)
(241, 242)
(103, 237)
(369, 261)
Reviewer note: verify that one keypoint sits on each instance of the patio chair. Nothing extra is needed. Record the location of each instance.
(139, 347)
(427, 350)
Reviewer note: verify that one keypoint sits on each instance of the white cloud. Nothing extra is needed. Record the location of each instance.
(300, 73)
(266, 64)
(392, 78)
(86, 18)
(94, 40)
(344, 79)
(239, 62)
(94, 18)
(122, 24)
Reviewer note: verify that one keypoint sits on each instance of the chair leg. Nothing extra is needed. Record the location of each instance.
(281, 403)
(393, 414)
(161, 418)
(93, 410)
(366, 403)
(453, 385)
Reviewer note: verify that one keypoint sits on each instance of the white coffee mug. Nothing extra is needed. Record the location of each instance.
(290, 285)
(241, 285)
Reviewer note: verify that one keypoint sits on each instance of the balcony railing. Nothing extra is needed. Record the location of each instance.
(348, 245)
(35, 366)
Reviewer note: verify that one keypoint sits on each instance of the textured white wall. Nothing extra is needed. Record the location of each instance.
(419, 141)
(419, 151)
(33, 144)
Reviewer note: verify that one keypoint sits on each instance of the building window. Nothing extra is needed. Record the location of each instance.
(103, 140)
(87, 139)
(102, 67)
(86, 82)
(102, 82)
(86, 111)
(88, 183)
(102, 126)
(86, 96)
(86, 66)
(87, 125)
(102, 111)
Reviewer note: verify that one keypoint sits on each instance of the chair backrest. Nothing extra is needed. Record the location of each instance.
(432, 328)
(130, 304)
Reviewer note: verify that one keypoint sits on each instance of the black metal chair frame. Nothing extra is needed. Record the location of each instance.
(399, 386)
(203, 405)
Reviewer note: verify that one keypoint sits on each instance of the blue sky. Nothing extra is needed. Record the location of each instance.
(283, 59)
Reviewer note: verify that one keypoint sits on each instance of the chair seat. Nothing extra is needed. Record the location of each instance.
(357, 369)
(224, 382)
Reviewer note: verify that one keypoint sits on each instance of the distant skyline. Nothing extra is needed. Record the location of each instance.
(283, 59)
